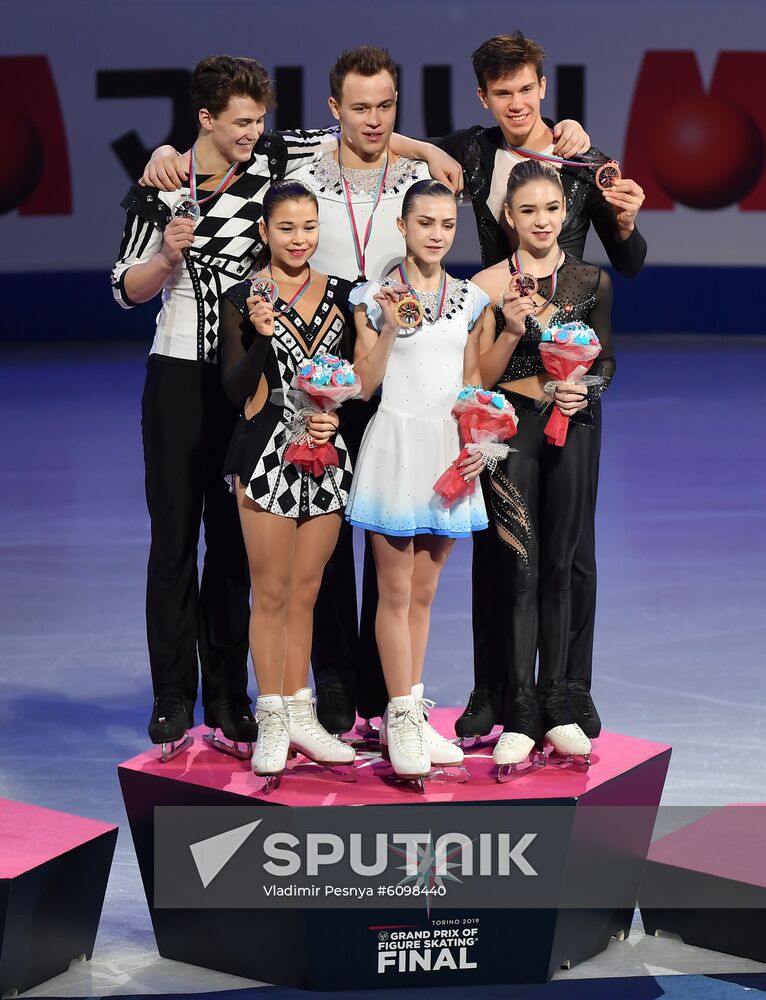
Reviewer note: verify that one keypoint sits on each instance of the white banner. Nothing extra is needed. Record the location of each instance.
(675, 91)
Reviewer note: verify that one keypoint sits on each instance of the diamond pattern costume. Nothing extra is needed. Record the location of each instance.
(256, 452)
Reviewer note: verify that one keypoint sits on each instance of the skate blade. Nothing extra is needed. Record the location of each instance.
(242, 751)
(479, 742)
(271, 783)
(367, 731)
(169, 751)
(413, 783)
(346, 773)
(366, 745)
(449, 774)
(574, 762)
(508, 772)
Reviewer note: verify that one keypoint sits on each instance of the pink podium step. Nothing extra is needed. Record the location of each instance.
(53, 873)
(707, 882)
(291, 946)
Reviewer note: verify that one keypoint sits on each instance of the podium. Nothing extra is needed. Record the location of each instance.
(53, 873)
(316, 945)
(707, 882)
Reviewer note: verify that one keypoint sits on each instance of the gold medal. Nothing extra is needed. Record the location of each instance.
(408, 312)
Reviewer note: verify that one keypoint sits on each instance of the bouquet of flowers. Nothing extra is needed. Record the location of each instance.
(321, 385)
(485, 419)
(567, 353)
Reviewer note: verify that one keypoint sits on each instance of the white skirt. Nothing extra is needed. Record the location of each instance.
(392, 492)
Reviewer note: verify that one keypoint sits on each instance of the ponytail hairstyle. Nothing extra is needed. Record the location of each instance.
(274, 197)
(426, 188)
(530, 170)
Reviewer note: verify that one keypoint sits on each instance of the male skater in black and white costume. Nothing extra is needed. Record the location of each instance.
(186, 419)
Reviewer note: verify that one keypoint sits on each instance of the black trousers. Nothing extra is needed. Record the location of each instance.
(580, 660)
(186, 422)
(343, 648)
(534, 579)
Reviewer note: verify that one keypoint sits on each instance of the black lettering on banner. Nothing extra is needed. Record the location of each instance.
(288, 81)
(570, 93)
(145, 83)
(437, 100)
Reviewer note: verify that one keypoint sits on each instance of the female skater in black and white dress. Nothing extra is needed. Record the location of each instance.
(290, 518)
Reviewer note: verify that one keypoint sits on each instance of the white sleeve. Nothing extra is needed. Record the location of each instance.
(306, 146)
(141, 240)
(364, 295)
(480, 302)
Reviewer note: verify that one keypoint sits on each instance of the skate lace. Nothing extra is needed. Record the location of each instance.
(478, 700)
(232, 704)
(581, 700)
(272, 723)
(305, 714)
(169, 706)
(408, 731)
(424, 704)
(555, 705)
(431, 736)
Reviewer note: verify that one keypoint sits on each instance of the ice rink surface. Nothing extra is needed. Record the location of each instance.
(680, 638)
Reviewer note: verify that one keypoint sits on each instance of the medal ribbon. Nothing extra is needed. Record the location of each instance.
(442, 288)
(516, 260)
(193, 179)
(295, 297)
(531, 154)
(360, 249)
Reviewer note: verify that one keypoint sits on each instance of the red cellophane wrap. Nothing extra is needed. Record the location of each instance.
(314, 458)
(481, 424)
(303, 452)
(565, 363)
(451, 486)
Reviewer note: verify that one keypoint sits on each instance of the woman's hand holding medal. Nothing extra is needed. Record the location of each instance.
(261, 313)
(177, 237)
(517, 304)
(388, 298)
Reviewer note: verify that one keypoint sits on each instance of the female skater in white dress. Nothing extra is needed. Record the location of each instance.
(408, 445)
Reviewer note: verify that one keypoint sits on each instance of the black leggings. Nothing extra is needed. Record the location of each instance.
(540, 496)
(487, 569)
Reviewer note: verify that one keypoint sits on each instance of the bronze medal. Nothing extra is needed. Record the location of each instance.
(524, 284)
(607, 175)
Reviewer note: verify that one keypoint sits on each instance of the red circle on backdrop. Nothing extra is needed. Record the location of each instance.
(707, 152)
(22, 161)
